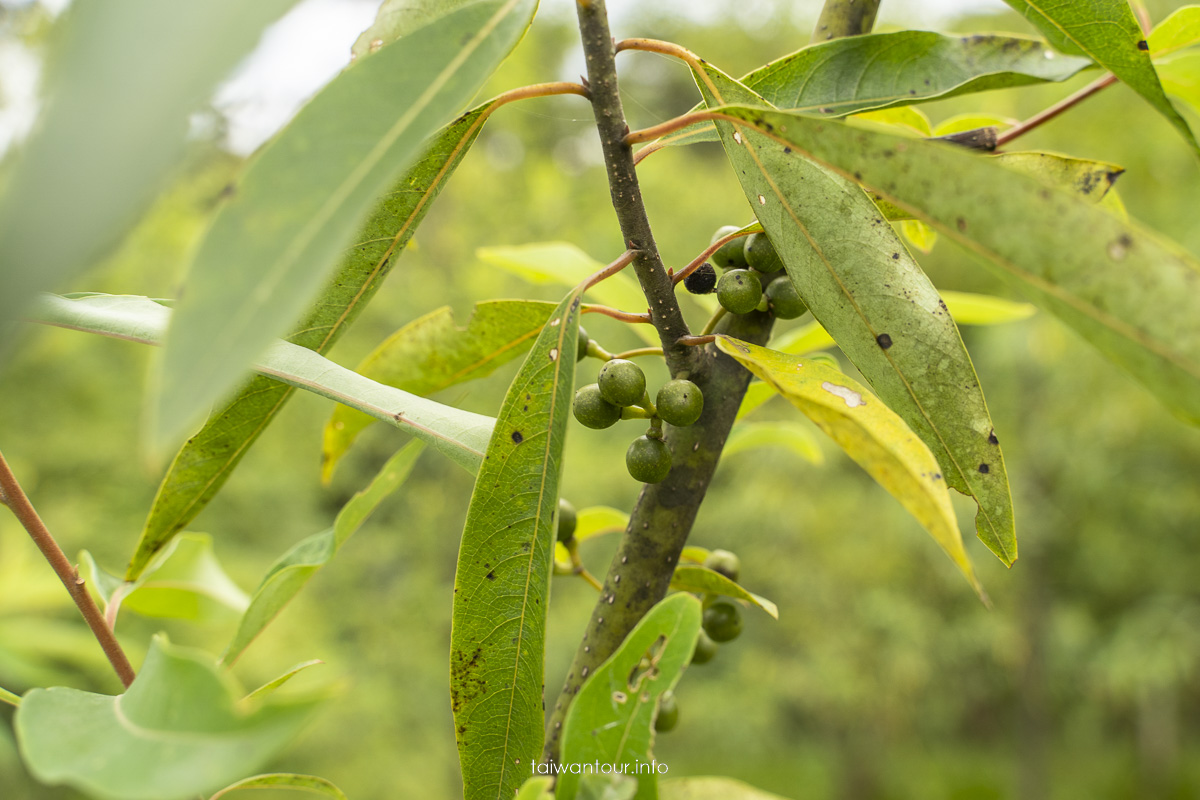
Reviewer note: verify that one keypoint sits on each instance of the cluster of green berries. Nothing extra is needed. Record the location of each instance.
(750, 262)
(621, 385)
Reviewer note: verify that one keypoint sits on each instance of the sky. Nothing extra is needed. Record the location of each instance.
(306, 48)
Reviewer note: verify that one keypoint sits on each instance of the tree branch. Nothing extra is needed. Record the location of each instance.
(19, 504)
(845, 18)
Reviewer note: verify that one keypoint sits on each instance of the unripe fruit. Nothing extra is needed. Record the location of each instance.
(680, 403)
(724, 562)
(648, 460)
(668, 712)
(785, 300)
(706, 649)
(723, 621)
(592, 410)
(566, 520)
(622, 382)
(582, 344)
(731, 253)
(702, 281)
(739, 291)
(760, 253)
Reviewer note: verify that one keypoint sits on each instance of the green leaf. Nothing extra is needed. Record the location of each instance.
(86, 174)
(757, 393)
(178, 731)
(880, 70)
(961, 123)
(297, 566)
(285, 780)
(983, 309)
(919, 235)
(565, 264)
(207, 459)
(399, 18)
(1089, 179)
(433, 353)
(1106, 32)
(870, 433)
(460, 435)
(184, 580)
(591, 522)
(902, 119)
(747, 436)
(536, 789)
(711, 789)
(1180, 30)
(864, 287)
(606, 787)
(611, 718)
(702, 580)
(502, 583)
(1077, 261)
(1181, 78)
(268, 688)
(294, 225)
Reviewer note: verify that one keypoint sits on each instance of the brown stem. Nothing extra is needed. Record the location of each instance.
(621, 263)
(67, 573)
(699, 260)
(624, 316)
(1053, 111)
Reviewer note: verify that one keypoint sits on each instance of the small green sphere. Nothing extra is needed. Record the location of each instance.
(622, 382)
(566, 520)
(723, 621)
(739, 291)
(760, 253)
(731, 254)
(680, 403)
(648, 460)
(581, 345)
(706, 649)
(668, 712)
(724, 562)
(592, 410)
(785, 300)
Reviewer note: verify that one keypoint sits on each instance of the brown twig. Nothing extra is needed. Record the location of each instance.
(694, 341)
(624, 316)
(699, 260)
(19, 504)
(1053, 111)
(621, 263)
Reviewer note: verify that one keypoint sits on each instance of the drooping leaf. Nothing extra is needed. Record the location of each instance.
(864, 287)
(879, 70)
(184, 580)
(502, 583)
(294, 225)
(178, 731)
(1176, 32)
(433, 353)
(208, 458)
(714, 788)
(591, 522)
(1124, 289)
(747, 436)
(295, 568)
(268, 688)
(702, 580)
(285, 780)
(869, 432)
(85, 162)
(611, 718)
(1181, 78)
(459, 435)
(1106, 32)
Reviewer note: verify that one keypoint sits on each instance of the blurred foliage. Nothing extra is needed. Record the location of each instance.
(883, 678)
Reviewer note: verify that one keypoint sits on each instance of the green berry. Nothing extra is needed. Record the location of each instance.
(723, 621)
(581, 345)
(724, 562)
(648, 460)
(706, 649)
(668, 712)
(730, 254)
(785, 300)
(760, 253)
(680, 403)
(566, 520)
(622, 382)
(739, 291)
(592, 410)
